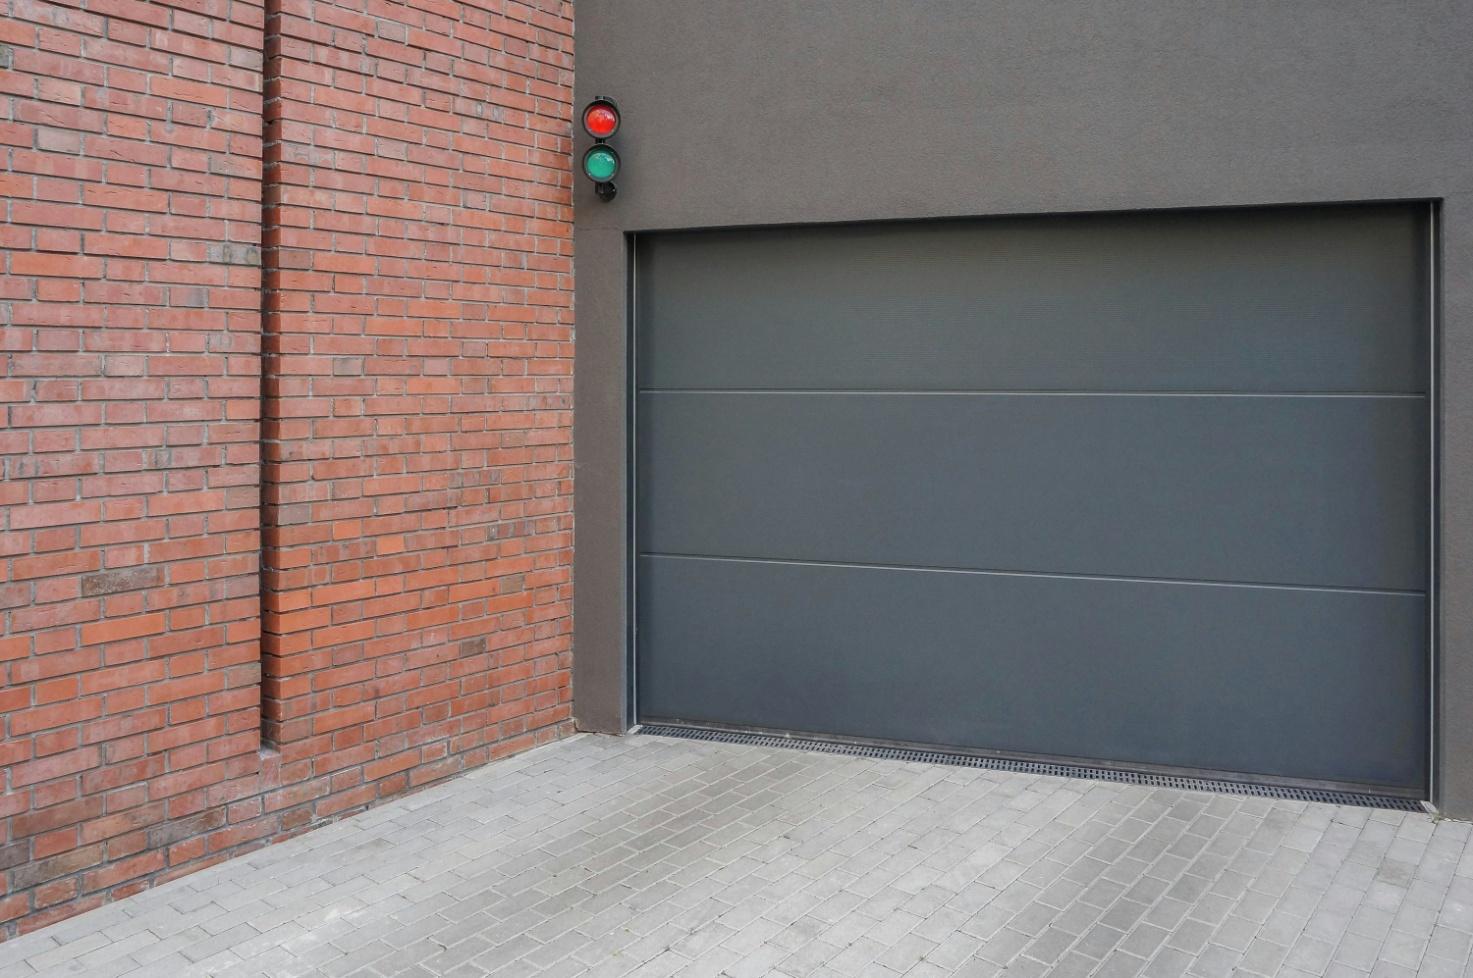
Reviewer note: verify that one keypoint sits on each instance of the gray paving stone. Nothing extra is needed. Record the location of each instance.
(617, 857)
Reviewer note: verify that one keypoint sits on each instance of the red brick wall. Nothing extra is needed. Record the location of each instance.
(418, 432)
(130, 384)
(417, 477)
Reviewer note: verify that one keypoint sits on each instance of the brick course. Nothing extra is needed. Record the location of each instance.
(417, 470)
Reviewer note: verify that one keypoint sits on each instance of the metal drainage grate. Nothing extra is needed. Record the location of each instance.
(1360, 799)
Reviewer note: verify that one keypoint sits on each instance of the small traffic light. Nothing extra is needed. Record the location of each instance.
(601, 161)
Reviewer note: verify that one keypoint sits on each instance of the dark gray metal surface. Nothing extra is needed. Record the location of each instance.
(1327, 491)
(1279, 299)
(1274, 681)
(1166, 502)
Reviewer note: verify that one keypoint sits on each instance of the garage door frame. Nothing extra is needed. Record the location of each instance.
(1427, 791)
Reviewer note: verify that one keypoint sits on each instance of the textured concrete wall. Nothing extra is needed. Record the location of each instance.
(793, 111)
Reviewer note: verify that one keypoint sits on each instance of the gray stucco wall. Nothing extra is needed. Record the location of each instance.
(798, 111)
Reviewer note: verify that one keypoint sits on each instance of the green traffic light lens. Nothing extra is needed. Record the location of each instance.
(600, 163)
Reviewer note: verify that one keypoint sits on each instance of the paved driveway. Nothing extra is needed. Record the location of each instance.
(616, 856)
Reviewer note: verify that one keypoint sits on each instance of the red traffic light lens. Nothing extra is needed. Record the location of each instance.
(601, 119)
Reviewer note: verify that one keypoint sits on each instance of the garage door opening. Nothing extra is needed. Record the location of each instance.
(1136, 489)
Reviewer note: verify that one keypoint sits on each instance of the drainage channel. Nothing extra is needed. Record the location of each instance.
(926, 756)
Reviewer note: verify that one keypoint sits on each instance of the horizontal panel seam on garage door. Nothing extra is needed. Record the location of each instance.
(1366, 395)
(997, 572)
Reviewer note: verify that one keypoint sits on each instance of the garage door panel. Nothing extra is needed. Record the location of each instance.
(1315, 299)
(1274, 681)
(1324, 491)
(1146, 488)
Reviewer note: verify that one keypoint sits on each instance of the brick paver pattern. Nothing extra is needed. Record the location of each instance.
(650, 857)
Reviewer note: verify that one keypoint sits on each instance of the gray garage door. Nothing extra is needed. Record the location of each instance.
(1145, 488)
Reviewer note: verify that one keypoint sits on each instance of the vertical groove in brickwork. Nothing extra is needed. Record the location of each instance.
(270, 198)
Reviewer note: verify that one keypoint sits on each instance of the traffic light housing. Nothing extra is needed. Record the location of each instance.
(601, 161)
